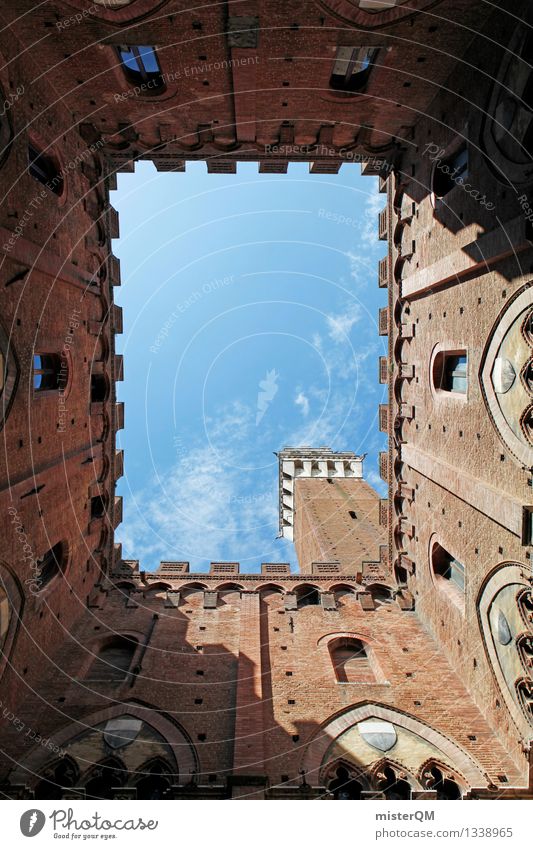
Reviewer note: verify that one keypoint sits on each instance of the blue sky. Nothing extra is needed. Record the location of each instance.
(250, 323)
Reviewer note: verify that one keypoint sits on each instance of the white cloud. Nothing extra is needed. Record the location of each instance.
(339, 326)
(302, 401)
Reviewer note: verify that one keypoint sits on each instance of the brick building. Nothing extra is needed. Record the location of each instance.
(398, 661)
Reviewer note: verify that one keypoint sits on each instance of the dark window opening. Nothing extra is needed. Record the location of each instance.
(43, 167)
(49, 373)
(449, 171)
(105, 779)
(394, 787)
(98, 506)
(344, 786)
(51, 564)
(450, 372)
(141, 67)
(448, 568)
(444, 787)
(353, 514)
(352, 68)
(98, 388)
(155, 782)
(58, 777)
(307, 596)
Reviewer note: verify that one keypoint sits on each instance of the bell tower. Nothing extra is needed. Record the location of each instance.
(326, 507)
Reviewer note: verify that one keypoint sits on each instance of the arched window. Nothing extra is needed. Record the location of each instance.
(114, 660)
(450, 172)
(450, 372)
(44, 168)
(154, 780)
(141, 67)
(105, 778)
(344, 786)
(49, 372)
(393, 785)
(435, 778)
(447, 568)
(50, 565)
(350, 661)
(59, 776)
(352, 67)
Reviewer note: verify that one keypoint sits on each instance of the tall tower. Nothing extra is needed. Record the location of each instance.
(328, 510)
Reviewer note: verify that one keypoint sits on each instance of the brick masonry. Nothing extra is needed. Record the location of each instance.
(237, 692)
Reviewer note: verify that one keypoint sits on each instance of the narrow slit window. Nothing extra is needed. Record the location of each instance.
(448, 172)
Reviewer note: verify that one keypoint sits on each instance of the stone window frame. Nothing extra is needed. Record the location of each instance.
(378, 677)
(444, 395)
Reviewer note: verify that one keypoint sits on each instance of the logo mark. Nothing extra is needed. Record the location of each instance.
(32, 822)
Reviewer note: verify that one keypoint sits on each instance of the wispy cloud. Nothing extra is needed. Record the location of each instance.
(339, 326)
(302, 401)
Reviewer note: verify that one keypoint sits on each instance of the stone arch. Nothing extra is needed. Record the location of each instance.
(313, 761)
(501, 623)
(435, 775)
(351, 14)
(507, 397)
(28, 771)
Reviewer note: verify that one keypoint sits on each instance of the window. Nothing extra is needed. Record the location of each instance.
(98, 506)
(344, 786)
(98, 388)
(141, 67)
(50, 565)
(113, 661)
(44, 168)
(447, 568)
(307, 595)
(48, 372)
(350, 661)
(450, 372)
(448, 172)
(352, 68)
